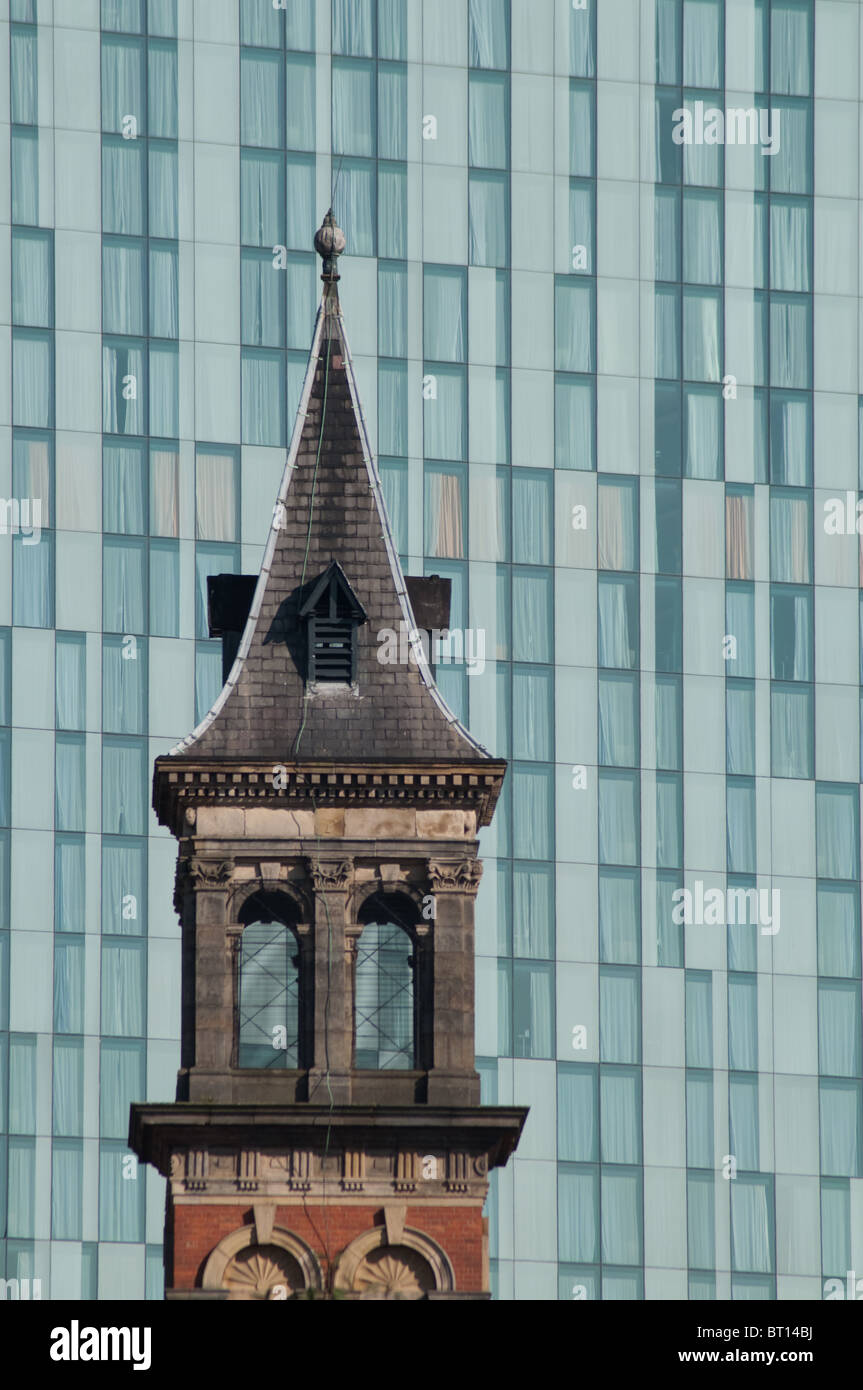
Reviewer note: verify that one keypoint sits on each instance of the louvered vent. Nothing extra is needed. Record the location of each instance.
(332, 613)
(331, 642)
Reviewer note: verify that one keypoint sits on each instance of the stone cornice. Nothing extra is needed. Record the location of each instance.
(180, 784)
(157, 1131)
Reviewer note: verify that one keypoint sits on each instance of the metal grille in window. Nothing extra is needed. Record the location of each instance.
(269, 997)
(384, 999)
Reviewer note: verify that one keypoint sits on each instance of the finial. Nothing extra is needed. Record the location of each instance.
(330, 242)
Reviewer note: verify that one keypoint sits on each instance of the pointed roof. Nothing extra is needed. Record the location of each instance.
(329, 512)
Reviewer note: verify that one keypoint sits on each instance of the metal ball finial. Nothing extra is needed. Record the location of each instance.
(330, 242)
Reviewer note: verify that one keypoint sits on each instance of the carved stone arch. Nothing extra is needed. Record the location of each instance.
(414, 1265)
(245, 891)
(366, 891)
(279, 1266)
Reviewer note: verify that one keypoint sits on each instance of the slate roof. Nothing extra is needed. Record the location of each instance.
(330, 507)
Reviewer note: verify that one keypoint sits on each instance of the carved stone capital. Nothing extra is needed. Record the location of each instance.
(208, 875)
(330, 875)
(455, 875)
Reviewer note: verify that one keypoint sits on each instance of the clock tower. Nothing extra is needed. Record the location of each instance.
(327, 1139)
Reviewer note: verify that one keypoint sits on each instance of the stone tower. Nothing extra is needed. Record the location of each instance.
(327, 1138)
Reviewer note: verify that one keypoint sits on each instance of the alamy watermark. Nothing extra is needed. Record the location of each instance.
(440, 646)
(716, 907)
(21, 517)
(738, 125)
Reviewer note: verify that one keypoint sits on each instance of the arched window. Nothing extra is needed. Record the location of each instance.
(384, 986)
(269, 994)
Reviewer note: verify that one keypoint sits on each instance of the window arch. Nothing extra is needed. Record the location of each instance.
(385, 986)
(269, 984)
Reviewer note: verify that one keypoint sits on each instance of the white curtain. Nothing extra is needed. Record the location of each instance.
(489, 28)
(164, 492)
(216, 496)
(668, 705)
(300, 101)
(354, 122)
(837, 833)
(740, 817)
(699, 1095)
(354, 27)
(790, 451)
(124, 887)
(703, 432)
(355, 207)
(123, 304)
(124, 688)
(532, 788)
(743, 1120)
(791, 731)
(392, 310)
(618, 720)
(740, 624)
(164, 390)
(488, 218)
(619, 1015)
(532, 912)
(699, 1020)
(740, 729)
(789, 245)
(574, 443)
(621, 1217)
(393, 210)
(122, 83)
(702, 47)
(619, 819)
(124, 972)
(124, 488)
(445, 417)
(751, 1242)
(488, 144)
(581, 136)
(836, 1227)
(573, 325)
(742, 1023)
(262, 198)
(124, 594)
(702, 238)
(164, 295)
(33, 395)
(263, 399)
(123, 186)
(124, 784)
(121, 1081)
(68, 1086)
(669, 820)
(838, 930)
(444, 314)
(790, 47)
(702, 334)
(124, 389)
(392, 408)
(791, 538)
(68, 984)
(261, 98)
(69, 883)
(839, 1027)
(842, 1129)
(578, 1216)
(531, 615)
(162, 88)
(790, 356)
(23, 75)
(32, 281)
(620, 1107)
(69, 776)
(700, 1220)
(582, 60)
(163, 189)
(618, 618)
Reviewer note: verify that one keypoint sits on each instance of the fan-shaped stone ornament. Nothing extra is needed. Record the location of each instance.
(262, 1272)
(394, 1272)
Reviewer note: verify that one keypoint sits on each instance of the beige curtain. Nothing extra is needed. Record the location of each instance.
(164, 493)
(738, 537)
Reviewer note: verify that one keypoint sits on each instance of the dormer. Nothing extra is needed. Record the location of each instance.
(331, 615)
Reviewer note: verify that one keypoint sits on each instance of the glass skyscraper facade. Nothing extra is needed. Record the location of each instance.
(606, 335)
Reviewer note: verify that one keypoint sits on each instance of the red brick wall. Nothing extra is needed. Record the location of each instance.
(198, 1228)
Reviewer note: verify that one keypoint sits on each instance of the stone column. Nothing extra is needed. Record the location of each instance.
(453, 1078)
(213, 984)
(330, 1073)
